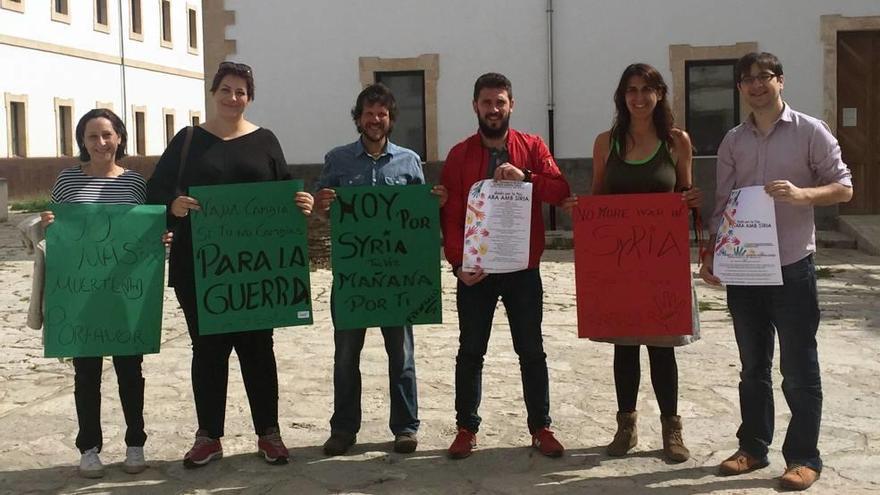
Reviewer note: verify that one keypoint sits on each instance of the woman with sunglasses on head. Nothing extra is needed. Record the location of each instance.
(226, 149)
(102, 138)
(644, 153)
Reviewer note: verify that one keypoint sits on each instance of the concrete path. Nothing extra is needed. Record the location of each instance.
(38, 421)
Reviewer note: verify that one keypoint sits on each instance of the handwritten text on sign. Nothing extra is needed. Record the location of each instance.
(250, 248)
(105, 268)
(632, 266)
(385, 256)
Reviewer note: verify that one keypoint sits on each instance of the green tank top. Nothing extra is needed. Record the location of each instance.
(652, 175)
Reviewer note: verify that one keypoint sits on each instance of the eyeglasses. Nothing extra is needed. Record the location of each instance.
(763, 78)
(235, 67)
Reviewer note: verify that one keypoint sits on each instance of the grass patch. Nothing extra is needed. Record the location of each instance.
(708, 306)
(35, 204)
(826, 272)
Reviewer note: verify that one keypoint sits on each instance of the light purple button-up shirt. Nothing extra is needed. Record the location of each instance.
(799, 149)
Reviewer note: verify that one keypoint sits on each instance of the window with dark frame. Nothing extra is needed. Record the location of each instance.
(195, 121)
(169, 127)
(711, 103)
(101, 12)
(409, 91)
(136, 21)
(65, 130)
(193, 32)
(166, 21)
(140, 133)
(60, 7)
(18, 130)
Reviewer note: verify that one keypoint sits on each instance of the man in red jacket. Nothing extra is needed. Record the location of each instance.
(498, 152)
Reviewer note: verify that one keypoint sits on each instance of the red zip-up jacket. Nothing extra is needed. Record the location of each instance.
(468, 163)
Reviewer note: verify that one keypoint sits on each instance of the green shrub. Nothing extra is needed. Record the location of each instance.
(31, 205)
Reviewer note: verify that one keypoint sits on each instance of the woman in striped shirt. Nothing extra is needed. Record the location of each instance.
(101, 137)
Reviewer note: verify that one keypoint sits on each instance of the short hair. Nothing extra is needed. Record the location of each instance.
(764, 60)
(371, 95)
(243, 71)
(492, 80)
(115, 121)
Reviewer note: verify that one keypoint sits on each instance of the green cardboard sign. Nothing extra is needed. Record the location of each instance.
(105, 274)
(250, 247)
(385, 253)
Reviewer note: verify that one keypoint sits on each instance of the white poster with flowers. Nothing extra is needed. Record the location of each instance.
(497, 226)
(747, 245)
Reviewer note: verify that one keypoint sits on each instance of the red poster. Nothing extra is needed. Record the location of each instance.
(632, 266)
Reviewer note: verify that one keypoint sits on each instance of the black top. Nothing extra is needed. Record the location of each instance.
(254, 157)
(652, 175)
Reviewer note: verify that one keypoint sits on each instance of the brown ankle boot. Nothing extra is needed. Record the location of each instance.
(626, 436)
(673, 444)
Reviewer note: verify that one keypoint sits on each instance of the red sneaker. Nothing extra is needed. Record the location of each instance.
(464, 443)
(272, 448)
(546, 443)
(203, 451)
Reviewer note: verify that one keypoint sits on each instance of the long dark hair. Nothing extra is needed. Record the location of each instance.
(662, 117)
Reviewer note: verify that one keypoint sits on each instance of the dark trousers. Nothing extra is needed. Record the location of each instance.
(210, 372)
(87, 393)
(521, 292)
(404, 417)
(790, 310)
(664, 377)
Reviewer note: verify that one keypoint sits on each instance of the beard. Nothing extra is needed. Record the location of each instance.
(492, 132)
(365, 135)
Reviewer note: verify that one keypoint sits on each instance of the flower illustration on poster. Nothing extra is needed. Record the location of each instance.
(476, 233)
(728, 243)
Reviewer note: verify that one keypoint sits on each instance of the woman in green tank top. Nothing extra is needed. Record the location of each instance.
(644, 153)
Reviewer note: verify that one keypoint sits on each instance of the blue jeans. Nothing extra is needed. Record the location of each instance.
(401, 380)
(792, 309)
(522, 293)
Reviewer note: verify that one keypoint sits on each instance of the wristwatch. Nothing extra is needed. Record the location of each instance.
(527, 175)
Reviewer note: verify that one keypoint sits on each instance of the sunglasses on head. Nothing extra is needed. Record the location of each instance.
(235, 67)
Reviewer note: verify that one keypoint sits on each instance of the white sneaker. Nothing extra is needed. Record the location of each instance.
(90, 464)
(134, 460)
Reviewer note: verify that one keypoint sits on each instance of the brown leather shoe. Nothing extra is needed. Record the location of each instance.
(798, 477)
(740, 463)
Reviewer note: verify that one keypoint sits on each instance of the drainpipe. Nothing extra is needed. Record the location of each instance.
(122, 69)
(550, 102)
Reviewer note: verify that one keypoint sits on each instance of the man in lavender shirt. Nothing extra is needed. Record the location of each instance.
(798, 161)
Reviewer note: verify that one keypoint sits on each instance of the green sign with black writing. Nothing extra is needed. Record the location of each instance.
(385, 244)
(250, 246)
(105, 267)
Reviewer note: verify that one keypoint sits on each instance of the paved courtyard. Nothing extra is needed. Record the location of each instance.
(38, 421)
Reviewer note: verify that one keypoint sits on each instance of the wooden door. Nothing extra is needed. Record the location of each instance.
(858, 116)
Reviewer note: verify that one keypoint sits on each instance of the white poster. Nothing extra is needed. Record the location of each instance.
(747, 247)
(497, 226)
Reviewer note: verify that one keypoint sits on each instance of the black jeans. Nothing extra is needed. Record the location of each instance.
(521, 292)
(664, 377)
(210, 372)
(87, 394)
(792, 310)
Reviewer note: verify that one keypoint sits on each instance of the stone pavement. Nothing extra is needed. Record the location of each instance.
(38, 421)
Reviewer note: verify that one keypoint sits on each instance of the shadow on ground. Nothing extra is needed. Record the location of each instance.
(369, 468)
